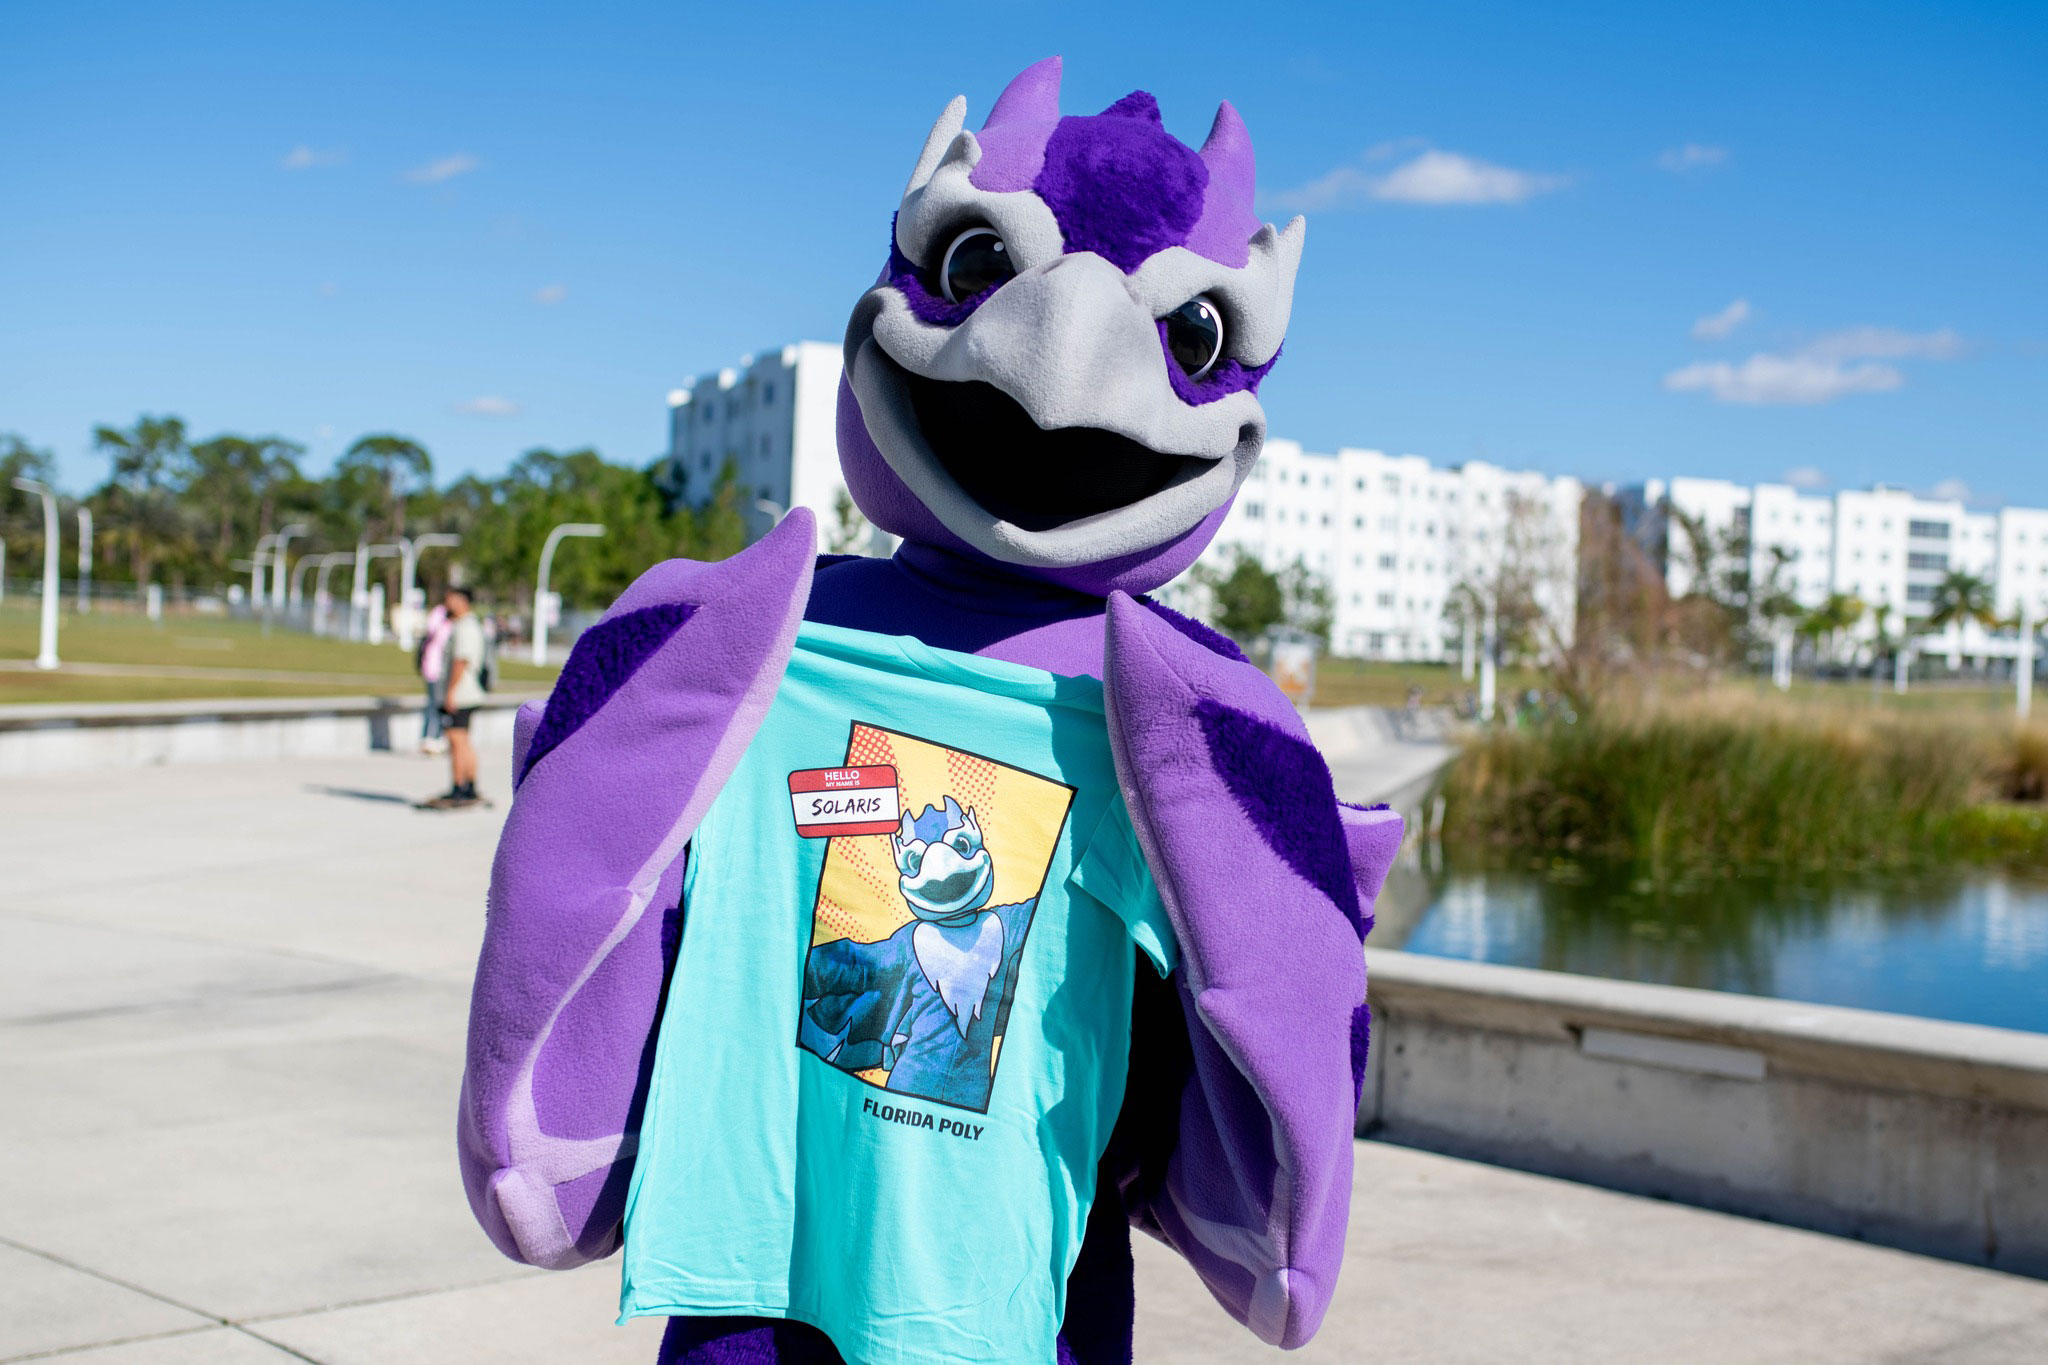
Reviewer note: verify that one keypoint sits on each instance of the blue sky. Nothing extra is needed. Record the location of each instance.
(1530, 227)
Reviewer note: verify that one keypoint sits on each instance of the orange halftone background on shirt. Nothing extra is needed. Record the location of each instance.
(1020, 815)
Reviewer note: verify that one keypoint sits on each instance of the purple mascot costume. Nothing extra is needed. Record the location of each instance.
(1051, 396)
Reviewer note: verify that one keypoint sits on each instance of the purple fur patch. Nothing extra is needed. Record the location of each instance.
(1230, 376)
(1361, 1048)
(606, 655)
(1137, 104)
(908, 278)
(1120, 185)
(1215, 641)
(1283, 787)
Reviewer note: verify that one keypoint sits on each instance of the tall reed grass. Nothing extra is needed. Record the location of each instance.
(1743, 782)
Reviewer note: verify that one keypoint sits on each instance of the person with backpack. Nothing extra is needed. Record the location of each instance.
(463, 690)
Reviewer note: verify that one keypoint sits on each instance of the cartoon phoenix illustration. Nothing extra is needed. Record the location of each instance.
(925, 1004)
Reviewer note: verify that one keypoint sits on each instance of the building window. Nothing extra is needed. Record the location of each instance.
(767, 394)
(1326, 518)
(1358, 523)
(1386, 561)
(1393, 485)
(1918, 592)
(1924, 530)
(1376, 641)
(1920, 559)
(1254, 511)
(1358, 484)
(1385, 599)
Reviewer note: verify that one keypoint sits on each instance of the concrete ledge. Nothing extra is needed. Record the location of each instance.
(1915, 1133)
(75, 737)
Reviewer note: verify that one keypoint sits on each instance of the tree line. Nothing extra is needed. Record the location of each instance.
(182, 512)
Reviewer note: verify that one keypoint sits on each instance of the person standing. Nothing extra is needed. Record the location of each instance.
(463, 693)
(433, 669)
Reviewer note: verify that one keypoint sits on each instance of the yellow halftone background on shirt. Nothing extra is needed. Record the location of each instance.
(1020, 815)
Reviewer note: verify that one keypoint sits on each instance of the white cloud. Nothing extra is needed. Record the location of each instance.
(1447, 178)
(447, 168)
(1693, 156)
(1430, 177)
(1806, 477)
(1951, 490)
(1832, 365)
(1885, 343)
(1714, 326)
(304, 158)
(488, 405)
(1782, 379)
(551, 293)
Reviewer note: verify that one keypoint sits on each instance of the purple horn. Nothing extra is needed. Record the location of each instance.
(1228, 153)
(1033, 97)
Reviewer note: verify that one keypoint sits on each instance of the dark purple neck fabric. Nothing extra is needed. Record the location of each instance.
(963, 603)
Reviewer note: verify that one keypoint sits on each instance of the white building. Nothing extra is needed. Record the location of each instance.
(773, 418)
(1395, 536)
(1885, 546)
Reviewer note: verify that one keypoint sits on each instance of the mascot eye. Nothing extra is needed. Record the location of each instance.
(977, 260)
(1194, 333)
(913, 859)
(961, 846)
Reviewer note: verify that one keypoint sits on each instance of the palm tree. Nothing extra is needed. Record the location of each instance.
(378, 473)
(1827, 621)
(1960, 597)
(148, 460)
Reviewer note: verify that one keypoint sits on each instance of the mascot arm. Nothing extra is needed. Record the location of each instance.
(1262, 872)
(649, 717)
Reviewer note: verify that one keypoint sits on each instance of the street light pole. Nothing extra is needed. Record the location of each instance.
(1488, 660)
(84, 560)
(373, 622)
(298, 588)
(257, 559)
(540, 595)
(320, 596)
(409, 577)
(2025, 700)
(284, 538)
(46, 651)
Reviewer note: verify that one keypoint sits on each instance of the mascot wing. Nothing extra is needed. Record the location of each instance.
(1268, 883)
(648, 719)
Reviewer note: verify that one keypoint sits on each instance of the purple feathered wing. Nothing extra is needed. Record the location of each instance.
(1268, 883)
(656, 705)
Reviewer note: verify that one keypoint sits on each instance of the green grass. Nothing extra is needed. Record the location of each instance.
(190, 647)
(1366, 682)
(1730, 782)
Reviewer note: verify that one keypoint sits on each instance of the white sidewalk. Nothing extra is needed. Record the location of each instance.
(231, 1010)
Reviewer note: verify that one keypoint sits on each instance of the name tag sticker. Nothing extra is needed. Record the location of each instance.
(834, 801)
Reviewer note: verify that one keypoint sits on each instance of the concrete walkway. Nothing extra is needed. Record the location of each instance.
(231, 1010)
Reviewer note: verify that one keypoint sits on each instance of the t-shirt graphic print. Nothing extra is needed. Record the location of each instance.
(897, 1027)
(917, 934)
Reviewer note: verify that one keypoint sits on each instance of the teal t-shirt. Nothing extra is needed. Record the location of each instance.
(897, 1031)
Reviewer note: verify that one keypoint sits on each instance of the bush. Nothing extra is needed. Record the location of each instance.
(1755, 784)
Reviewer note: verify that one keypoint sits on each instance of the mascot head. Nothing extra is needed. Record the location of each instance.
(943, 869)
(1059, 368)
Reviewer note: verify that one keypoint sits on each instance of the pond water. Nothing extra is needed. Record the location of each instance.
(1969, 945)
